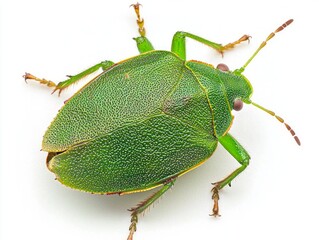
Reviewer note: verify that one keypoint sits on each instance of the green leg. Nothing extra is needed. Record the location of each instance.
(179, 45)
(143, 44)
(141, 207)
(241, 155)
(72, 79)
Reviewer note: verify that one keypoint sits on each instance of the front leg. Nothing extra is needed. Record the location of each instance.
(241, 155)
(143, 44)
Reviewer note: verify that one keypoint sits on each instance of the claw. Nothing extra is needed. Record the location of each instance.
(136, 6)
(29, 76)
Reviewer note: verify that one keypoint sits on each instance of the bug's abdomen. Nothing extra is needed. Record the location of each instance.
(136, 157)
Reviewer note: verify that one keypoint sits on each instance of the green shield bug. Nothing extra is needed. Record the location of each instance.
(149, 119)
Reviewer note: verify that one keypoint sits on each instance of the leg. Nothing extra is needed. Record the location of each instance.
(143, 44)
(179, 45)
(240, 154)
(72, 79)
(141, 207)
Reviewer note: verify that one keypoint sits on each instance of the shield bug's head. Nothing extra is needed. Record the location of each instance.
(237, 86)
(241, 93)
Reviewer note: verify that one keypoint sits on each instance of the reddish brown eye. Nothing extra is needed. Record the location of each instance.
(223, 67)
(238, 104)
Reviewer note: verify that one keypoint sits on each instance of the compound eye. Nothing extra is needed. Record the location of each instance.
(223, 67)
(238, 104)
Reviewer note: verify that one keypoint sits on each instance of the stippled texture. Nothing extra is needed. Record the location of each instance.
(135, 157)
(128, 92)
(189, 102)
(140, 123)
(222, 89)
(221, 109)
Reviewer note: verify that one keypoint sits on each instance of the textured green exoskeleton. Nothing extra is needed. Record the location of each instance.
(147, 120)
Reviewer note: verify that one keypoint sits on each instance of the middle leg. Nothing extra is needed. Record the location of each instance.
(241, 155)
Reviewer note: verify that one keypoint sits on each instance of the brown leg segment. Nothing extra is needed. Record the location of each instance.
(141, 207)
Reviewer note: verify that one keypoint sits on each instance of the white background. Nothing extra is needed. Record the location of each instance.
(275, 198)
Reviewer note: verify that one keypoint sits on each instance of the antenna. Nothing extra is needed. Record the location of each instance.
(279, 119)
(263, 44)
